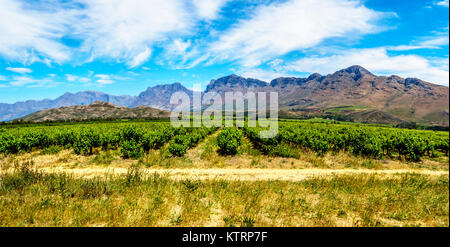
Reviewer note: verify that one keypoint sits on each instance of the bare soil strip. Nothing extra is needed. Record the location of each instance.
(253, 174)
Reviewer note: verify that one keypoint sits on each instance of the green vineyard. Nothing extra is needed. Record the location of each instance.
(362, 140)
(136, 138)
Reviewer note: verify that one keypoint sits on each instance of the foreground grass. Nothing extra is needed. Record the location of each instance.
(31, 198)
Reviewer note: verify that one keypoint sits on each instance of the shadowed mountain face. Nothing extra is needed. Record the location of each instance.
(392, 97)
(234, 83)
(159, 96)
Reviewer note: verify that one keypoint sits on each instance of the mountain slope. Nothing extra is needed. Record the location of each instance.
(96, 110)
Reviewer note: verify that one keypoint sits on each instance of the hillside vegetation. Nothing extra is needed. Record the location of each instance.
(96, 110)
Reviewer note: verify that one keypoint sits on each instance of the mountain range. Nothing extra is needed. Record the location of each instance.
(353, 92)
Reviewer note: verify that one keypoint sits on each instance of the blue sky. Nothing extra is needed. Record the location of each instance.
(50, 47)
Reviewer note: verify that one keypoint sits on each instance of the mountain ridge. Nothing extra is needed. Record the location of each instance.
(409, 99)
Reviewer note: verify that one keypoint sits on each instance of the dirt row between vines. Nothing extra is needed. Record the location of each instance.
(252, 174)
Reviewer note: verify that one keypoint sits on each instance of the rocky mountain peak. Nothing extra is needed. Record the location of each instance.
(165, 88)
(233, 81)
(355, 71)
(285, 81)
(414, 81)
(315, 76)
(159, 96)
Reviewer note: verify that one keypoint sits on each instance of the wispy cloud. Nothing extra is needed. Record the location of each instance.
(128, 31)
(74, 78)
(96, 79)
(30, 34)
(208, 9)
(125, 31)
(443, 3)
(19, 70)
(139, 58)
(262, 74)
(435, 42)
(105, 79)
(19, 81)
(279, 28)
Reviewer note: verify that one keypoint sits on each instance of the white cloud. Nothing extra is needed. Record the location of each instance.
(274, 63)
(435, 42)
(19, 81)
(279, 28)
(181, 54)
(443, 3)
(71, 78)
(124, 30)
(95, 80)
(19, 70)
(103, 76)
(208, 9)
(2, 78)
(261, 74)
(139, 58)
(378, 61)
(429, 43)
(74, 78)
(104, 79)
(178, 46)
(29, 35)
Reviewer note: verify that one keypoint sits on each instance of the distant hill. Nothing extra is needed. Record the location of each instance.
(348, 114)
(353, 92)
(97, 110)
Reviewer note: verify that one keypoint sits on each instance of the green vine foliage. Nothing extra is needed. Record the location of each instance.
(229, 141)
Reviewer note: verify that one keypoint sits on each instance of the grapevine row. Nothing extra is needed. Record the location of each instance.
(365, 141)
